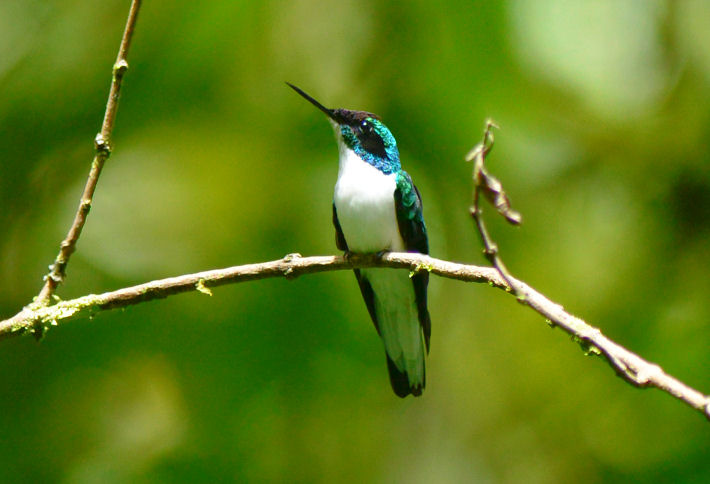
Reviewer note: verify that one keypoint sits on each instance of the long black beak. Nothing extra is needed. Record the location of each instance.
(328, 112)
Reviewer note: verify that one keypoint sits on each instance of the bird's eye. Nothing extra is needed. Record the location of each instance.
(370, 139)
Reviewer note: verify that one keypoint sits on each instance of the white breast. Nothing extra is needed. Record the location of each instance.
(364, 200)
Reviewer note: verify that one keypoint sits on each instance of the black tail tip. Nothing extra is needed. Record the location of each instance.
(400, 382)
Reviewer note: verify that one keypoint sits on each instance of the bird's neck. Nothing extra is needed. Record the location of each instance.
(351, 165)
(352, 162)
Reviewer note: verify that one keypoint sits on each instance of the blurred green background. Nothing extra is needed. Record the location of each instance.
(605, 115)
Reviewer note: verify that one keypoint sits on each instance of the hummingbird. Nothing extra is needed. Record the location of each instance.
(376, 209)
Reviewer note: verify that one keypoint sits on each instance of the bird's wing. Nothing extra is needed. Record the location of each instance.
(410, 219)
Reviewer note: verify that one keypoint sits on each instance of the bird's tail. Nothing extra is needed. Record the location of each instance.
(401, 382)
(402, 320)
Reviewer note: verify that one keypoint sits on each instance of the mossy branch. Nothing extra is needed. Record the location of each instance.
(630, 366)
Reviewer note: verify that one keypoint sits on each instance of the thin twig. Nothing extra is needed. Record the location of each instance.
(102, 148)
(628, 365)
(493, 190)
(632, 367)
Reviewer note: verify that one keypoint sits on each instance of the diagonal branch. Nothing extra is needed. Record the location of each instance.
(627, 365)
(632, 367)
(102, 148)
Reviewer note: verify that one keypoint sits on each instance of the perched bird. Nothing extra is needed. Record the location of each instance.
(377, 208)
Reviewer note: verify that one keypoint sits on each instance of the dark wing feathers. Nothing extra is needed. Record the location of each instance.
(339, 237)
(408, 207)
(369, 296)
(421, 281)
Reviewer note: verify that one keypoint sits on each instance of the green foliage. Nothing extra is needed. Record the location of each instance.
(604, 109)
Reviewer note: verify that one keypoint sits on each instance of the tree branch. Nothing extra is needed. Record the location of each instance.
(493, 190)
(102, 148)
(630, 366)
(39, 315)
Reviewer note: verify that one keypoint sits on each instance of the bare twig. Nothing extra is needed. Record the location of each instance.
(102, 147)
(632, 367)
(628, 365)
(493, 190)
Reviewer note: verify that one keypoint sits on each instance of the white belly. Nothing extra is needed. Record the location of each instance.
(364, 201)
